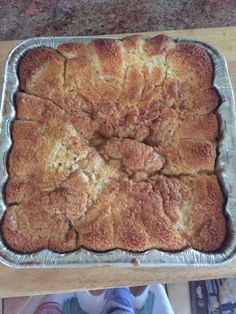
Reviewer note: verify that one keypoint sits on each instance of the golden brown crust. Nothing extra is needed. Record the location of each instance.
(160, 44)
(114, 146)
(41, 73)
(73, 50)
(192, 64)
(134, 156)
(31, 108)
(189, 157)
(17, 239)
(206, 228)
(172, 126)
(198, 127)
(109, 56)
(15, 189)
(133, 42)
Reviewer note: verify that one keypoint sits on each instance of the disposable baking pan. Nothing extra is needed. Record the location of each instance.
(225, 169)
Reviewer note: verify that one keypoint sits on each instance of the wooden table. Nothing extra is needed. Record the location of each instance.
(41, 281)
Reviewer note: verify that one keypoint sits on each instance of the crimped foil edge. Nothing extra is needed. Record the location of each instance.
(225, 166)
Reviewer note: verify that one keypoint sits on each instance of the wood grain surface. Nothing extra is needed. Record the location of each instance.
(21, 282)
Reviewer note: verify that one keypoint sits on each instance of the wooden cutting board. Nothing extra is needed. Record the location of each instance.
(41, 281)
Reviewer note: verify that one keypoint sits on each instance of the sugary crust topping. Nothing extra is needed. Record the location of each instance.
(114, 146)
(41, 72)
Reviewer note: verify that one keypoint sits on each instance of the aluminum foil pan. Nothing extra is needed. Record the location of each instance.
(225, 168)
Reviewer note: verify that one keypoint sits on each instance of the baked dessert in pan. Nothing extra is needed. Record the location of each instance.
(114, 146)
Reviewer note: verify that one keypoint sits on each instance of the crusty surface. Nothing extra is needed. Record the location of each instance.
(114, 146)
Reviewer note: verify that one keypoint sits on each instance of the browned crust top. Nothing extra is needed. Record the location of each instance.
(114, 146)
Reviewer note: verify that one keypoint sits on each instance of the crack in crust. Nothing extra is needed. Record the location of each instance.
(114, 146)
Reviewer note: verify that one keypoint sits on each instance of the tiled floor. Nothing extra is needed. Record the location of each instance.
(176, 292)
